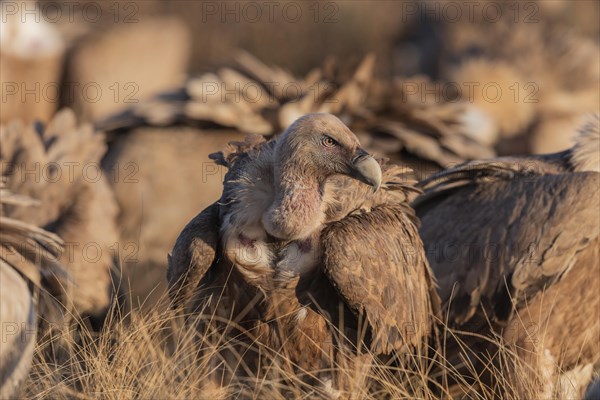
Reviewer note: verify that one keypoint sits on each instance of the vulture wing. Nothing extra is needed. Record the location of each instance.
(483, 171)
(376, 262)
(496, 232)
(193, 255)
(30, 250)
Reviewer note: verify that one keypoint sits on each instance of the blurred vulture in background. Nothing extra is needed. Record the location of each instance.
(253, 97)
(28, 264)
(58, 165)
(529, 72)
(311, 235)
(411, 122)
(514, 245)
(546, 79)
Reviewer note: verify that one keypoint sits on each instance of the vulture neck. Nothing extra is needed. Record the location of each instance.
(296, 211)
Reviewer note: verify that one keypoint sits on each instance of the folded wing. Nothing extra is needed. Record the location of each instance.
(376, 262)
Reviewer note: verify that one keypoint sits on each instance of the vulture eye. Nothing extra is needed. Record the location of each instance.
(328, 142)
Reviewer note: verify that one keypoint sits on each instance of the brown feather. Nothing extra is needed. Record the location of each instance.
(504, 238)
(59, 165)
(193, 255)
(376, 262)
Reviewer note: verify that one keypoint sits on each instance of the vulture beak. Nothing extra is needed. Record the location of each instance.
(366, 169)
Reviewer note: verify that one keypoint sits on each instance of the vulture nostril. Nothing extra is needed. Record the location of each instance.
(360, 155)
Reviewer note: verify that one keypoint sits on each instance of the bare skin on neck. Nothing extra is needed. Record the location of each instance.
(297, 208)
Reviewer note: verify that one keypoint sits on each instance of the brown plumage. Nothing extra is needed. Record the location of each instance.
(298, 234)
(513, 243)
(58, 165)
(28, 262)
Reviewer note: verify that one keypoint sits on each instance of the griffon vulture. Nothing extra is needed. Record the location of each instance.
(306, 222)
(514, 245)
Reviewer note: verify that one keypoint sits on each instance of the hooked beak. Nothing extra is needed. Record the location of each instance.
(366, 169)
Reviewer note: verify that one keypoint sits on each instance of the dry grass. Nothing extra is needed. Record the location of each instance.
(157, 356)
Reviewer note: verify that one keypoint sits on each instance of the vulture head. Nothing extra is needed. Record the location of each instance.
(322, 145)
(314, 148)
